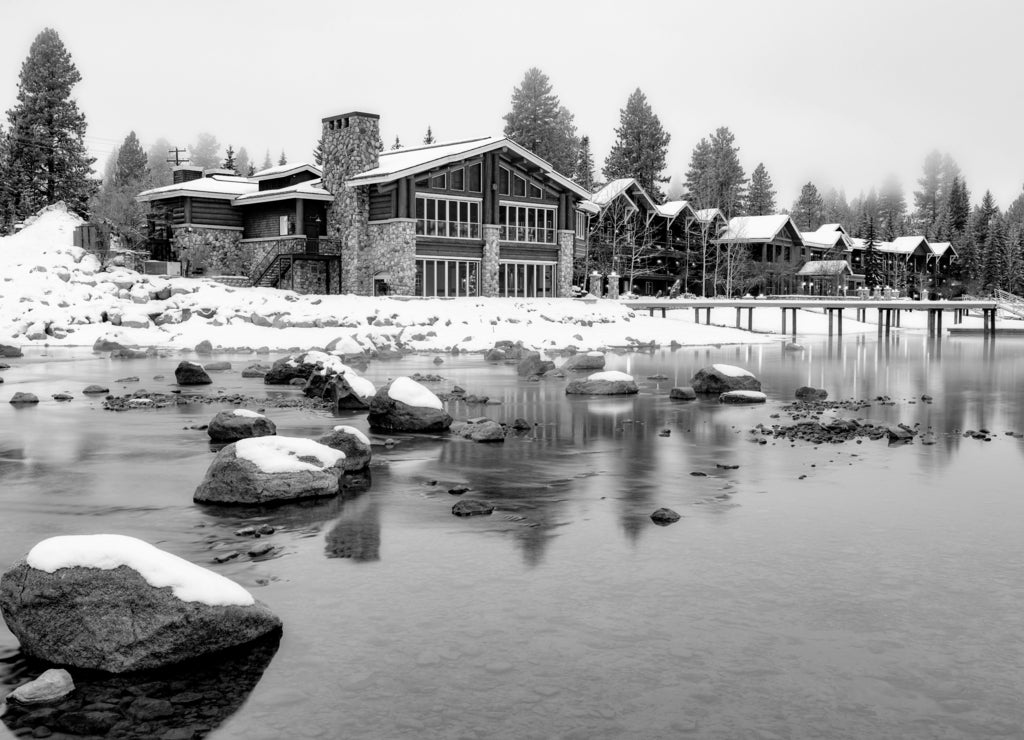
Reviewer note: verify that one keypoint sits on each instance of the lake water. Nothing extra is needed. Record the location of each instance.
(842, 591)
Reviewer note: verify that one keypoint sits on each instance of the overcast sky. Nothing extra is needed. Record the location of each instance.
(840, 93)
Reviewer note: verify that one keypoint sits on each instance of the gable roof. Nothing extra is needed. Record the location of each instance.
(826, 267)
(626, 187)
(673, 208)
(308, 190)
(284, 170)
(218, 187)
(940, 248)
(399, 163)
(907, 244)
(749, 229)
(825, 238)
(833, 227)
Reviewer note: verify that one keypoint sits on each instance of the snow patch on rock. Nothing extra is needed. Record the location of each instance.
(354, 432)
(248, 414)
(610, 375)
(411, 393)
(732, 371)
(273, 454)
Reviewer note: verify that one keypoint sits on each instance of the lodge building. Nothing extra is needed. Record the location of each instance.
(476, 217)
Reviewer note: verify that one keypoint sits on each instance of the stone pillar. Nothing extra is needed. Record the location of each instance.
(566, 242)
(596, 284)
(613, 285)
(489, 264)
(393, 252)
(350, 146)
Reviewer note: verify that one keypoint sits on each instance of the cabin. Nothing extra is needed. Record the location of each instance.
(776, 247)
(827, 278)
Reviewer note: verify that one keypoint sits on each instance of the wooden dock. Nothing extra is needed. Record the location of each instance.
(889, 311)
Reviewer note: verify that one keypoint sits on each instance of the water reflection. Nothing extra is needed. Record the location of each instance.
(187, 700)
(356, 534)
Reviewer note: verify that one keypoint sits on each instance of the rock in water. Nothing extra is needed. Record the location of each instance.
(587, 361)
(608, 383)
(406, 406)
(743, 397)
(664, 516)
(117, 604)
(721, 378)
(264, 470)
(480, 429)
(807, 393)
(231, 426)
(23, 399)
(472, 507)
(51, 685)
(353, 443)
(531, 364)
(7, 350)
(191, 373)
(682, 393)
(95, 389)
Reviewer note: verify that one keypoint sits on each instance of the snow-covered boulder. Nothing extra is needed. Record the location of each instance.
(720, 378)
(287, 369)
(743, 397)
(231, 426)
(353, 443)
(585, 361)
(350, 392)
(191, 373)
(115, 603)
(406, 406)
(271, 469)
(607, 383)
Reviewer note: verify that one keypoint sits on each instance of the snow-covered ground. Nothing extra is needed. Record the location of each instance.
(54, 293)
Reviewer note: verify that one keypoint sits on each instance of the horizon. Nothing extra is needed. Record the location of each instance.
(413, 74)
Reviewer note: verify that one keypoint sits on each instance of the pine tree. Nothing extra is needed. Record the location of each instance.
(539, 122)
(132, 168)
(959, 208)
(1015, 213)
(836, 209)
(640, 148)
(251, 170)
(229, 159)
(872, 259)
(982, 267)
(699, 184)
(156, 160)
(397, 144)
(318, 152)
(761, 195)
(205, 152)
(892, 207)
(267, 163)
(998, 254)
(282, 160)
(428, 138)
(808, 208)
(242, 164)
(926, 200)
(46, 157)
(583, 174)
(716, 178)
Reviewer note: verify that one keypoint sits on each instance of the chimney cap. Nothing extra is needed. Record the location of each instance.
(351, 114)
(218, 171)
(186, 168)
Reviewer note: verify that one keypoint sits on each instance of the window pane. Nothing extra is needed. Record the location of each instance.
(504, 177)
(439, 181)
(475, 178)
(536, 192)
(457, 179)
(519, 186)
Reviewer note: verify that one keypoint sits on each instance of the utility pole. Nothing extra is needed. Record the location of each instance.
(178, 159)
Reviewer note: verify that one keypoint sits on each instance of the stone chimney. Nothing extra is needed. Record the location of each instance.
(350, 145)
(185, 172)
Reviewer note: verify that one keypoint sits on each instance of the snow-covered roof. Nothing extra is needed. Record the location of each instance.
(673, 208)
(757, 228)
(907, 244)
(309, 190)
(619, 188)
(284, 170)
(832, 227)
(227, 187)
(709, 214)
(825, 238)
(825, 267)
(589, 206)
(940, 248)
(399, 163)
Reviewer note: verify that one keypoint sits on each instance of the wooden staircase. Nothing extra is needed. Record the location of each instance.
(276, 270)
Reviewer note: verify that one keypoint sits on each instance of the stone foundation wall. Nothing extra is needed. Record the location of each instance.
(255, 253)
(212, 251)
(392, 250)
(566, 243)
(489, 263)
(309, 277)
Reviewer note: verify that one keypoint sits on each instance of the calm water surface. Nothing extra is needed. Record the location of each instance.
(878, 596)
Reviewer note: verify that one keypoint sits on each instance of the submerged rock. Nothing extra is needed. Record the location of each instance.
(231, 426)
(264, 470)
(117, 604)
(720, 378)
(191, 373)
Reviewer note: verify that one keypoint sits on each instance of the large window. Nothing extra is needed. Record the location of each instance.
(581, 225)
(447, 278)
(448, 217)
(526, 223)
(527, 280)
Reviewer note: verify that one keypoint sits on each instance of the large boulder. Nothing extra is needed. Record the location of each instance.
(117, 604)
(480, 429)
(353, 443)
(531, 364)
(24, 399)
(585, 361)
(406, 406)
(608, 383)
(231, 426)
(264, 470)
(287, 369)
(809, 393)
(191, 373)
(736, 397)
(350, 392)
(720, 378)
(682, 393)
(7, 350)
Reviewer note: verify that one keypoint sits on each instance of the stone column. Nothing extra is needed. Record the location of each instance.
(489, 265)
(393, 251)
(566, 240)
(613, 285)
(596, 284)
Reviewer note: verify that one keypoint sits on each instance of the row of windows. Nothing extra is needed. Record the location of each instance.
(516, 186)
(461, 278)
(448, 217)
(468, 178)
(526, 223)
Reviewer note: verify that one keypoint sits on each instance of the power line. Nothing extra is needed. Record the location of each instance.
(177, 158)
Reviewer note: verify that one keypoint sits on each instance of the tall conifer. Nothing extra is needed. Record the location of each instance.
(640, 148)
(539, 122)
(761, 195)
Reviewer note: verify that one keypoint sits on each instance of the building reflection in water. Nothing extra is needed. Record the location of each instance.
(356, 534)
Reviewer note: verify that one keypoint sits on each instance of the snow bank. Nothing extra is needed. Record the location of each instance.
(354, 432)
(610, 375)
(732, 371)
(281, 454)
(409, 392)
(160, 569)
